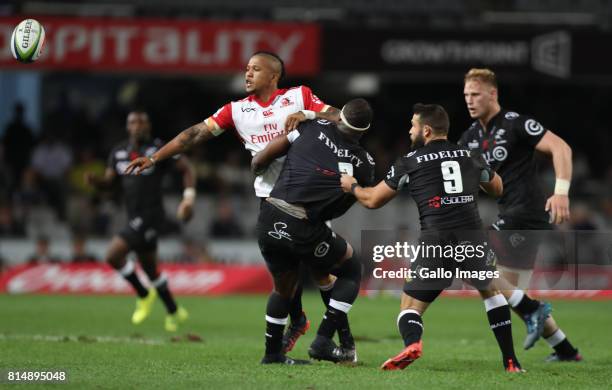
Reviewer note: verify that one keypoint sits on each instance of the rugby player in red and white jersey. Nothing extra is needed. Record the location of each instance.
(265, 114)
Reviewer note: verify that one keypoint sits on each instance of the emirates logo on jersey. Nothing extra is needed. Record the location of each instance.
(286, 102)
(268, 113)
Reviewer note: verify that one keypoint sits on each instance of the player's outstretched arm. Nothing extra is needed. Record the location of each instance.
(184, 141)
(185, 208)
(276, 148)
(558, 204)
(494, 187)
(370, 197)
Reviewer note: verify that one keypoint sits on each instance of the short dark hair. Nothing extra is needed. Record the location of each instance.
(358, 113)
(276, 57)
(434, 116)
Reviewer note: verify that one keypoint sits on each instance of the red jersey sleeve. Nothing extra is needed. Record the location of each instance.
(223, 117)
(311, 101)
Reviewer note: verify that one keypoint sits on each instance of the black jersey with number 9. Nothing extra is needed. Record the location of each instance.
(444, 181)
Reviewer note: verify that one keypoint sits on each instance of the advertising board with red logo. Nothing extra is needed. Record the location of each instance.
(205, 279)
(165, 45)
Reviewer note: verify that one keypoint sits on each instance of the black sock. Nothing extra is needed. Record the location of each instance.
(343, 295)
(161, 285)
(296, 313)
(325, 297)
(326, 292)
(561, 344)
(498, 313)
(129, 273)
(344, 329)
(527, 305)
(410, 325)
(327, 328)
(277, 312)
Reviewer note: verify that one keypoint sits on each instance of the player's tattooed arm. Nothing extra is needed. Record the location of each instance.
(101, 182)
(369, 197)
(276, 148)
(196, 134)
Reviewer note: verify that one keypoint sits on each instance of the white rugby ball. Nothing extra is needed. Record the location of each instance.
(28, 40)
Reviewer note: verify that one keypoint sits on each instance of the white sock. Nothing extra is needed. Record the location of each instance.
(555, 338)
(516, 297)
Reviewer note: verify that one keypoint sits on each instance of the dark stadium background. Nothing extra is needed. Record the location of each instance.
(560, 72)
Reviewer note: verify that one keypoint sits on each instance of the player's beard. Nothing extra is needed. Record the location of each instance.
(418, 142)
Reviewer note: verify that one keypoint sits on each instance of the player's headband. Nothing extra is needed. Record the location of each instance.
(343, 119)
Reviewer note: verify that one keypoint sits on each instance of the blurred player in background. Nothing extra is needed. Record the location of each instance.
(144, 204)
(291, 228)
(265, 114)
(508, 141)
(436, 170)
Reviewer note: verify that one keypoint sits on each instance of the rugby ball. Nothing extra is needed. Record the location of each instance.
(27, 40)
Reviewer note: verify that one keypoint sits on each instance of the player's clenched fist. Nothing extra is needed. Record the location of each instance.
(139, 165)
(346, 182)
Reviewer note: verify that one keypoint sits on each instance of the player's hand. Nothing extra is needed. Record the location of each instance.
(185, 210)
(293, 120)
(346, 182)
(137, 166)
(558, 208)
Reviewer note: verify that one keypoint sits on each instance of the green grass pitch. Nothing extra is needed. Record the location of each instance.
(92, 338)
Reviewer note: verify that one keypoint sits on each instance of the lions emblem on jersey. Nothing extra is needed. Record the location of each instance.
(533, 127)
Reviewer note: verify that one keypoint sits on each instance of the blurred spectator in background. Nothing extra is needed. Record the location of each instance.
(9, 225)
(193, 252)
(234, 176)
(581, 218)
(51, 161)
(18, 142)
(85, 209)
(86, 161)
(42, 254)
(79, 250)
(224, 224)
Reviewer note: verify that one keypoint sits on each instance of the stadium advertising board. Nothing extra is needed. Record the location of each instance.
(559, 54)
(157, 45)
(209, 279)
